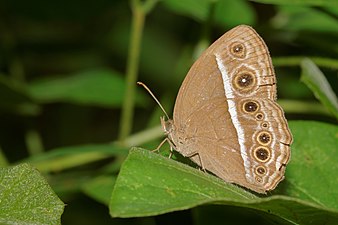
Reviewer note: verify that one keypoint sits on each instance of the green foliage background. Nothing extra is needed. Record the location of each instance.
(70, 107)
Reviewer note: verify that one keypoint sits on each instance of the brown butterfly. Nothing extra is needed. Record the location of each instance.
(226, 118)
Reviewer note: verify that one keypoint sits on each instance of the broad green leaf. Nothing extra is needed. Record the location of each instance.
(100, 188)
(98, 87)
(300, 2)
(150, 184)
(233, 215)
(316, 81)
(72, 156)
(312, 173)
(27, 199)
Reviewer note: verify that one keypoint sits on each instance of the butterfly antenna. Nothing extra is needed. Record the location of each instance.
(152, 95)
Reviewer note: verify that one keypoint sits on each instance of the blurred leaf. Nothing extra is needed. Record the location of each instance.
(71, 181)
(299, 2)
(164, 185)
(303, 107)
(152, 67)
(305, 18)
(227, 11)
(196, 9)
(296, 60)
(100, 188)
(26, 198)
(316, 81)
(159, 69)
(72, 156)
(14, 98)
(99, 88)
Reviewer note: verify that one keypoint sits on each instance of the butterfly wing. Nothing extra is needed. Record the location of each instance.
(225, 116)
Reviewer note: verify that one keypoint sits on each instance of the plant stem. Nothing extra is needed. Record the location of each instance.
(132, 70)
(139, 8)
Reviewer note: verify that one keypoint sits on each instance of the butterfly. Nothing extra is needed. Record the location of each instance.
(226, 118)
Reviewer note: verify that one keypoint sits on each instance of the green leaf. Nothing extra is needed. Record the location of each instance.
(150, 184)
(154, 184)
(26, 198)
(299, 2)
(100, 188)
(316, 81)
(98, 87)
(312, 173)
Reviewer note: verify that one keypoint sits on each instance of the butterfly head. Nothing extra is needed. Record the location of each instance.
(167, 125)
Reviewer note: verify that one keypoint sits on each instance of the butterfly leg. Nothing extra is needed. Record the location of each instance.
(193, 154)
(160, 145)
(172, 147)
(171, 151)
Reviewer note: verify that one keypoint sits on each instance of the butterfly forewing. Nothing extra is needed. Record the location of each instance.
(226, 118)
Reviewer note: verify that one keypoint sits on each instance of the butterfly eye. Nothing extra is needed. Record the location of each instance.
(260, 170)
(237, 50)
(259, 179)
(265, 125)
(250, 107)
(259, 116)
(262, 154)
(245, 80)
(264, 138)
